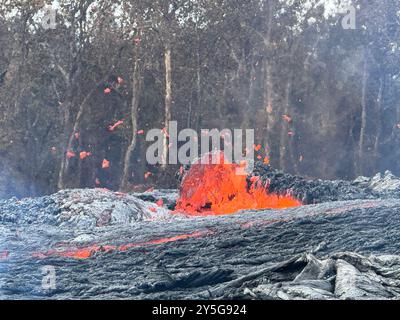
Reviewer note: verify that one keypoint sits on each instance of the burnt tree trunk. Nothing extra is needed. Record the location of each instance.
(268, 82)
(198, 84)
(284, 142)
(168, 102)
(360, 167)
(378, 123)
(136, 91)
(65, 162)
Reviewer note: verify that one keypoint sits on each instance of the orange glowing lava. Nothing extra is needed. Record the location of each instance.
(217, 189)
(87, 252)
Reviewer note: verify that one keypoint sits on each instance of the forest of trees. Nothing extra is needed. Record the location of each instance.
(323, 100)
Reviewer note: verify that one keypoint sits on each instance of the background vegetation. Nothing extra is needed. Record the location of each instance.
(323, 100)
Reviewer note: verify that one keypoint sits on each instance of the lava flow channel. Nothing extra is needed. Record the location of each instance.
(87, 252)
(217, 189)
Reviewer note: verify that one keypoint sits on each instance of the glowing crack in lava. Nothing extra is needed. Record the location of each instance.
(89, 251)
(216, 189)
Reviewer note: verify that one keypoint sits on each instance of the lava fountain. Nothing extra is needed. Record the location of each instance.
(217, 189)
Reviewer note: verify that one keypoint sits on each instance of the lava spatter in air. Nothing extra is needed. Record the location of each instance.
(217, 189)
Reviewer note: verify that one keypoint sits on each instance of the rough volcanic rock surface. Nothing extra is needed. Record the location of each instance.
(333, 250)
(311, 191)
(318, 191)
(169, 197)
(106, 245)
(79, 208)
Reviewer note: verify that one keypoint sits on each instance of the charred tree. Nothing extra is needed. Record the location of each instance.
(364, 114)
(167, 102)
(136, 92)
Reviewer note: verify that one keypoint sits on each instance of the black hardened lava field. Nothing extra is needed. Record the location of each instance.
(340, 243)
(199, 153)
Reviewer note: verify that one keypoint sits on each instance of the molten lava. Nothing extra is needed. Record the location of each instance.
(89, 251)
(216, 189)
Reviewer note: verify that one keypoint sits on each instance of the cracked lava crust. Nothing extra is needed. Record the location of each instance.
(265, 236)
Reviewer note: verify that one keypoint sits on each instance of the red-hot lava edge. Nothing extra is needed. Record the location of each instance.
(87, 252)
(206, 189)
(218, 189)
